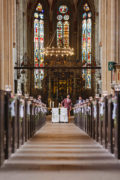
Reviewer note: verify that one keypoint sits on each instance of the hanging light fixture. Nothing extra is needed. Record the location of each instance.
(58, 51)
(52, 51)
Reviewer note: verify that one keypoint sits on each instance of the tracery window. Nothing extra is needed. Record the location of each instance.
(63, 26)
(38, 45)
(86, 43)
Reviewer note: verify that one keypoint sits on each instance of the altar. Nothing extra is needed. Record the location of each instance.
(59, 115)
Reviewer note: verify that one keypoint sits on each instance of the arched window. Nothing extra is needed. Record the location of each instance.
(38, 45)
(86, 43)
(63, 26)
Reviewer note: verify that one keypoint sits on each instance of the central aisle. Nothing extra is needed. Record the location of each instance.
(61, 151)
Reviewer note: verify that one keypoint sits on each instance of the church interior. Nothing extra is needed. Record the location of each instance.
(59, 62)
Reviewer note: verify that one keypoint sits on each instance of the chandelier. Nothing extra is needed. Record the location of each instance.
(58, 51)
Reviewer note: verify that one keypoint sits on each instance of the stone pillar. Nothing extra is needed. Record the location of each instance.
(20, 37)
(108, 40)
(117, 38)
(113, 35)
(113, 30)
(109, 43)
(103, 37)
(14, 39)
(11, 25)
(119, 31)
(25, 44)
(1, 45)
(97, 43)
(6, 43)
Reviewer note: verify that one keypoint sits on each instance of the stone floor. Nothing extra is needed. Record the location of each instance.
(61, 151)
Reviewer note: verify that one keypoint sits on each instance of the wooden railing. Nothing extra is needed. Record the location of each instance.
(100, 119)
(20, 118)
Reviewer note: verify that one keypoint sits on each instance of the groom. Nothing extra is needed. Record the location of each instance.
(67, 103)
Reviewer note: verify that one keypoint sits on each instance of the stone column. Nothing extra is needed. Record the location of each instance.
(20, 39)
(1, 45)
(109, 43)
(11, 25)
(108, 40)
(6, 43)
(25, 44)
(103, 37)
(14, 40)
(113, 30)
(100, 40)
(117, 18)
(119, 31)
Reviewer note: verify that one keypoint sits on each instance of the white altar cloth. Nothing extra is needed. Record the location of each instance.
(63, 115)
(55, 115)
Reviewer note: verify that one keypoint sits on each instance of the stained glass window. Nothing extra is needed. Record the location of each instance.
(66, 33)
(86, 7)
(59, 34)
(86, 44)
(38, 46)
(66, 17)
(63, 9)
(59, 17)
(63, 26)
(39, 8)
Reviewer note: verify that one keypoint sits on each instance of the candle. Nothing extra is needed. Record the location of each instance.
(50, 103)
(53, 104)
